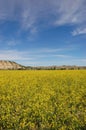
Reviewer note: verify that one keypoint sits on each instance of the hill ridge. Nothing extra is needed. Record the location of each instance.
(5, 64)
(11, 65)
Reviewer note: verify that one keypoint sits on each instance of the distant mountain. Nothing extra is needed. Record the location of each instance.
(10, 65)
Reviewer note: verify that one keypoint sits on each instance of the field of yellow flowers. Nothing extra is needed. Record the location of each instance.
(43, 100)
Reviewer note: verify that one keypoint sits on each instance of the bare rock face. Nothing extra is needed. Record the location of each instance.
(5, 65)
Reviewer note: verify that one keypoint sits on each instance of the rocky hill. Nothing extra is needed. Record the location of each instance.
(5, 65)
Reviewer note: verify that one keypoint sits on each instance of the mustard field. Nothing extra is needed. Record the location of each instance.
(43, 100)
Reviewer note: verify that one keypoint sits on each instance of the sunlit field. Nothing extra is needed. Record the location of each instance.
(43, 100)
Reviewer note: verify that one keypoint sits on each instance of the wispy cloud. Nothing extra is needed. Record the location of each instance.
(62, 56)
(32, 16)
(41, 58)
(79, 31)
(14, 55)
(71, 12)
(83, 60)
(11, 54)
(31, 13)
(11, 42)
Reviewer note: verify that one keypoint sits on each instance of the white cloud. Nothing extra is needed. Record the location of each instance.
(30, 13)
(62, 56)
(79, 31)
(12, 42)
(41, 58)
(34, 54)
(49, 50)
(14, 55)
(83, 60)
(71, 12)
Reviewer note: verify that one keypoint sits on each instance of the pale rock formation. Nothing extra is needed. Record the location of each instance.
(9, 65)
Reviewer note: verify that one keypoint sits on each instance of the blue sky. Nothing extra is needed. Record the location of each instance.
(43, 32)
